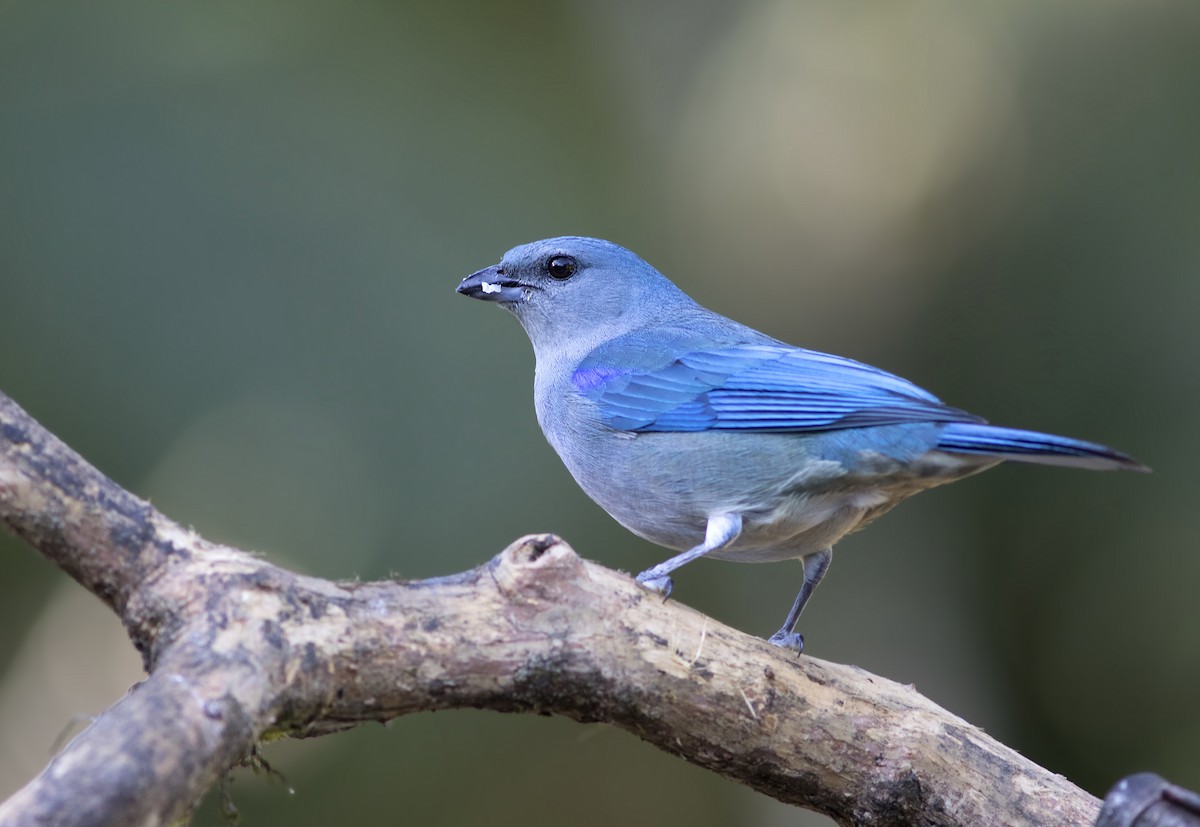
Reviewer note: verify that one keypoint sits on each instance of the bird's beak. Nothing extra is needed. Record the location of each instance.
(491, 285)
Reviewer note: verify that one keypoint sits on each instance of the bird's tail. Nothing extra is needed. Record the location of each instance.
(1030, 446)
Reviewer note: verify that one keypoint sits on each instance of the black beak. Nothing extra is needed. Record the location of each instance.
(491, 285)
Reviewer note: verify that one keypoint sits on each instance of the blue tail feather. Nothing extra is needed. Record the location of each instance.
(1031, 446)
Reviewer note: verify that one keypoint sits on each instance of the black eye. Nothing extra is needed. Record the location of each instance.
(561, 267)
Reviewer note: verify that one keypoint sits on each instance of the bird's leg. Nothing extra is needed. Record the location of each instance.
(722, 530)
(815, 565)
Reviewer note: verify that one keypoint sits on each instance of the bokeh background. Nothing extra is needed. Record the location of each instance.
(230, 237)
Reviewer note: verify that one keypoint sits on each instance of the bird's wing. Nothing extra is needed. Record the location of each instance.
(648, 383)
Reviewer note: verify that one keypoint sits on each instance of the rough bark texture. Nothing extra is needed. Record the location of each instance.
(237, 649)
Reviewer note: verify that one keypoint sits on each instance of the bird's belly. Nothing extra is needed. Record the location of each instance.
(663, 487)
(800, 525)
(795, 495)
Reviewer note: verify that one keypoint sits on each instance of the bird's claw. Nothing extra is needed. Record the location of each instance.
(788, 640)
(656, 583)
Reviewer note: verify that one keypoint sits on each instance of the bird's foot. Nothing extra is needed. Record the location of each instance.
(659, 583)
(787, 640)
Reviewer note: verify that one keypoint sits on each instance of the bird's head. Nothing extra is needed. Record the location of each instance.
(574, 289)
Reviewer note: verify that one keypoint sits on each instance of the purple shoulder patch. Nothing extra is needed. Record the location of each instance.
(588, 379)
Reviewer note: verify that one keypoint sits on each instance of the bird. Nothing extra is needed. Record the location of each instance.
(709, 438)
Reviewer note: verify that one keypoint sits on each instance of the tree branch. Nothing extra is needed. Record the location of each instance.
(237, 649)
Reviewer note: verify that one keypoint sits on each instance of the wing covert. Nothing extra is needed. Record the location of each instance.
(748, 387)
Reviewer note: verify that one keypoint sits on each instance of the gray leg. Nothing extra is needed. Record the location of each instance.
(722, 530)
(815, 565)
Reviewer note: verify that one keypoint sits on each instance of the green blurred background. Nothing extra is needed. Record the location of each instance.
(229, 238)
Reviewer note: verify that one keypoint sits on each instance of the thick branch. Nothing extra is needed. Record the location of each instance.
(237, 647)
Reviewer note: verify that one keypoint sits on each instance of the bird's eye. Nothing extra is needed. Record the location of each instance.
(561, 267)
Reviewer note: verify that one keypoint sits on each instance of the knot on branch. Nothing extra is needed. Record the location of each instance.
(536, 566)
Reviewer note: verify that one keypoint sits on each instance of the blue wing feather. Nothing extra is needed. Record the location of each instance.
(671, 384)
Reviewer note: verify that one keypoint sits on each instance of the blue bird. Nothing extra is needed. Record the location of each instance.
(705, 436)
